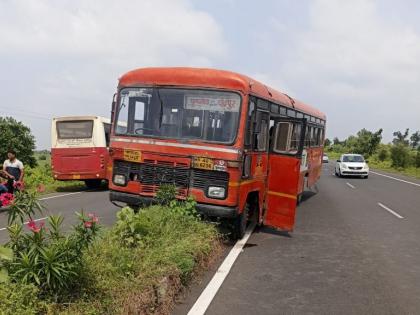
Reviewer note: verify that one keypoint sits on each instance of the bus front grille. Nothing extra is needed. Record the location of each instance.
(201, 179)
(153, 173)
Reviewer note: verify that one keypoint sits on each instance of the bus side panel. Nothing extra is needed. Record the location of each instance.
(315, 165)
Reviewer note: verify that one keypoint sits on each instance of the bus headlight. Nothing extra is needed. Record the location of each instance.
(216, 192)
(119, 180)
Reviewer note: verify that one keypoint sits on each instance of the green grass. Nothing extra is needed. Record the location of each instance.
(145, 279)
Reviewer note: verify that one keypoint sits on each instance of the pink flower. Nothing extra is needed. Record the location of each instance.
(95, 219)
(91, 215)
(18, 185)
(6, 199)
(88, 224)
(33, 227)
(40, 188)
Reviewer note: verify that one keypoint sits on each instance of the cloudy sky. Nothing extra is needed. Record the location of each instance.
(358, 61)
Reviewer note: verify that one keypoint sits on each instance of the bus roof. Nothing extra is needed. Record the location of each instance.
(212, 78)
(66, 118)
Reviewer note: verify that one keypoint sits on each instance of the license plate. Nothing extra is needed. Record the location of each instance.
(76, 176)
(203, 163)
(132, 156)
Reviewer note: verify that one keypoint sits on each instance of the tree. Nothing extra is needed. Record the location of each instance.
(15, 135)
(415, 139)
(400, 155)
(336, 141)
(327, 143)
(417, 163)
(368, 141)
(401, 138)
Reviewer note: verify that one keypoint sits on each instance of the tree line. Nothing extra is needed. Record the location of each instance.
(401, 153)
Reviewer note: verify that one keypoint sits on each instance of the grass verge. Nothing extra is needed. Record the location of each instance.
(139, 266)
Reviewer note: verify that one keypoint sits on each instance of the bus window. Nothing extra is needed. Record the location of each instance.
(283, 111)
(248, 135)
(291, 113)
(295, 139)
(261, 131)
(308, 136)
(78, 129)
(107, 129)
(262, 136)
(282, 137)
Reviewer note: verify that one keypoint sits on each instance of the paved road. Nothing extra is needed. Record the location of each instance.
(67, 203)
(347, 255)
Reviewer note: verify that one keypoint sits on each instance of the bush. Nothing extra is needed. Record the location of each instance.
(400, 156)
(19, 299)
(382, 154)
(48, 259)
(42, 157)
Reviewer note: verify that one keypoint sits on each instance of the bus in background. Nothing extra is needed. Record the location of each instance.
(79, 148)
(242, 149)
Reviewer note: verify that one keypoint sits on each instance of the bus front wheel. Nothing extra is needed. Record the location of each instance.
(93, 183)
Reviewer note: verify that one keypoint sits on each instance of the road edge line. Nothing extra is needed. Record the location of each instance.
(206, 297)
(58, 196)
(395, 178)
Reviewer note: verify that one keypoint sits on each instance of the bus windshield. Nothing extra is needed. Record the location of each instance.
(178, 114)
(77, 129)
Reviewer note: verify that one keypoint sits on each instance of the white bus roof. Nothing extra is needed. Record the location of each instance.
(64, 118)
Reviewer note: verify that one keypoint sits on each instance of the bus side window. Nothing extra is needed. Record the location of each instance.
(107, 129)
(282, 137)
(287, 137)
(261, 131)
(249, 119)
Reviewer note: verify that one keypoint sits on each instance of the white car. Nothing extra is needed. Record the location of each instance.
(325, 158)
(352, 165)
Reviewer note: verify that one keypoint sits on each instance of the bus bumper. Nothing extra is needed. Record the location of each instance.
(203, 208)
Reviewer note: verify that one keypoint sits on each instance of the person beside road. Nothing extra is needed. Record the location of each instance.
(13, 170)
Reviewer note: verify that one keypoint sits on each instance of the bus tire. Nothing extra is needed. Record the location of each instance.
(299, 199)
(93, 183)
(240, 223)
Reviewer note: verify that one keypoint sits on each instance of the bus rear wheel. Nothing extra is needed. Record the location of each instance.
(93, 183)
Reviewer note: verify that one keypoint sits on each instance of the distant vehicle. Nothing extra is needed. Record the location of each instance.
(325, 158)
(352, 165)
(79, 149)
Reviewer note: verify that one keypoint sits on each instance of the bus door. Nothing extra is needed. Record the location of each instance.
(284, 164)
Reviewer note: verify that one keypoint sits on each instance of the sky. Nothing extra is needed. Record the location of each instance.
(358, 61)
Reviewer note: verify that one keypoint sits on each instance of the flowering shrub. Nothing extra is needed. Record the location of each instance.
(46, 257)
(25, 204)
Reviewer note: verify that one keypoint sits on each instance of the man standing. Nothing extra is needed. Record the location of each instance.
(13, 168)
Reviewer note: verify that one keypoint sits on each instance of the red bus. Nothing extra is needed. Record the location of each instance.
(79, 149)
(240, 148)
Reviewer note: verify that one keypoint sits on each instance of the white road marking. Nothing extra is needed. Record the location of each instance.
(350, 185)
(36, 220)
(390, 211)
(204, 300)
(58, 196)
(398, 179)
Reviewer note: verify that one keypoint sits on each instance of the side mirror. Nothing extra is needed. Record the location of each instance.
(338, 161)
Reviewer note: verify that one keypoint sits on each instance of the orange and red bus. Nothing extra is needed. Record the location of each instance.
(240, 148)
(79, 148)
